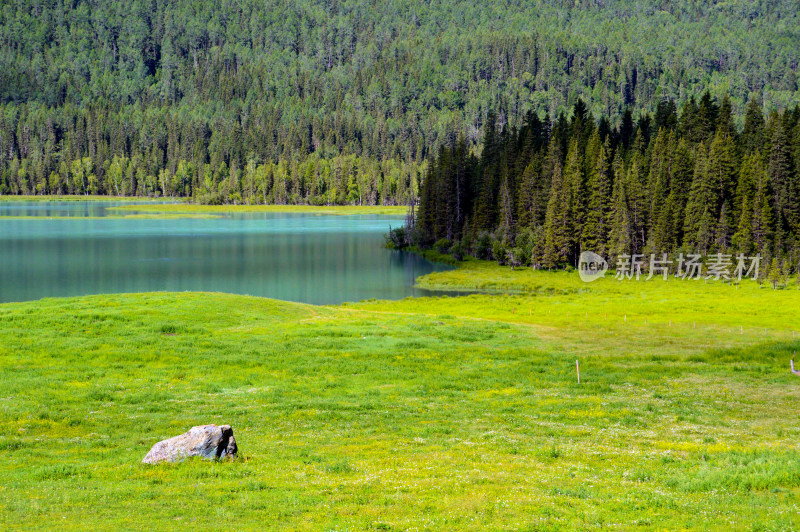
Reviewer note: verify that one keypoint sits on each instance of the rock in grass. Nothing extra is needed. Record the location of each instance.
(206, 441)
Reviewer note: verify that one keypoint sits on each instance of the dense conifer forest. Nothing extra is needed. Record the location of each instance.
(691, 182)
(342, 102)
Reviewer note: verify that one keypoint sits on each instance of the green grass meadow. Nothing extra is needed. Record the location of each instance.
(445, 413)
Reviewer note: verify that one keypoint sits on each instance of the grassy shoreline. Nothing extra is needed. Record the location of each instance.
(344, 210)
(458, 413)
(180, 206)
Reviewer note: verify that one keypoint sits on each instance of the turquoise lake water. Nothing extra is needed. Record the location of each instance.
(317, 259)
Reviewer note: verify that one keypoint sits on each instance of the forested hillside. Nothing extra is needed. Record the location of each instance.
(341, 101)
(544, 193)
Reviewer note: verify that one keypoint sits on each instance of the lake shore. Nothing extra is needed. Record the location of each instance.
(143, 216)
(341, 210)
(167, 205)
(8, 197)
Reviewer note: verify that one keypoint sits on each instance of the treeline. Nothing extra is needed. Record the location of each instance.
(163, 152)
(668, 183)
(239, 82)
(157, 152)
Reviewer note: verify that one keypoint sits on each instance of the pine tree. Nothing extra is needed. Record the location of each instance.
(637, 203)
(529, 208)
(598, 213)
(488, 180)
(705, 232)
(658, 189)
(784, 187)
(425, 221)
(507, 225)
(666, 116)
(557, 225)
(575, 189)
(725, 229)
(774, 275)
(725, 119)
(690, 125)
(752, 167)
(698, 217)
(665, 236)
(621, 227)
(785, 273)
(722, 176)
(743, 238)
(708, 114)
(722, 167)
(626, 129)
(753, 132)
(762, 216)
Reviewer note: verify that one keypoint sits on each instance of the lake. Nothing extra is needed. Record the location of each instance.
(73, 248)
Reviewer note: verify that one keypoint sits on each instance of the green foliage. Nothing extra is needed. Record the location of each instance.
(696, 184)
(442, 245)
(397, 238)
(273, 102)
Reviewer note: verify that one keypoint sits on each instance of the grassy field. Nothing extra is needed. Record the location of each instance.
(422, 414)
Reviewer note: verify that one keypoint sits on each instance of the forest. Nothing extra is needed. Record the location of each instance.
(342, 102)
(674, 182)
(202, 226)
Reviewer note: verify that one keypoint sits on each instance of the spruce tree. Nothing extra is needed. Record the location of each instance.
(784, 187)
(621, 228)
(598, 213)
(488, 175)
(708, 114)
(763, 228)
(557, 225)
(701, 197)
(690, 125)
(637, 203)
(682, 170)
(725, 119)
(506, 213)
(774, 275)
(529, 195)
(752, 135)
(722, 174)
(658, 188)
(743, 238)
(725, 228)
(666, 116)
(705, 232)
(626, 130)
(752, 167)
(575, 189)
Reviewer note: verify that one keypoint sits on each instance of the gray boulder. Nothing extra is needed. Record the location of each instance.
(206, 441)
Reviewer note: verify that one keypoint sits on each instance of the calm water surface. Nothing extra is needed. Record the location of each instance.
(296, 257)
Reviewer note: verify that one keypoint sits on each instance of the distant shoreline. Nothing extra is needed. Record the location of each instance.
(180, 206)
(72, 197)
(391, 210)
